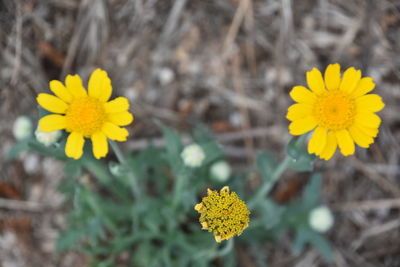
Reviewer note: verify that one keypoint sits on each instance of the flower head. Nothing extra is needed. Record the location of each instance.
(47, 138)
(223, 214)
(220, 171)
(339, 109)
(193, 155)
(85, 114)
(22, 128)
(321, 219)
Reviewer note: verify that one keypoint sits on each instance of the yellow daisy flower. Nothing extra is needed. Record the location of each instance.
(223, 214)
(339, 109)
(85, 114)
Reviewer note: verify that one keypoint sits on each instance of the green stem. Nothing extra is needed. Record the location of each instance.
(178, 188)
(225, 250)
(122, 160)
(268, 185)
(118, 152)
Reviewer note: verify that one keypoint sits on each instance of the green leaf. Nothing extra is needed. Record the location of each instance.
(293, 149)
(57, 153)
(172, 139)
(18, 148)
(68, 239)
(303, 163)
(312, 191)
(271, 213)
(73, 167)
(300, 159)
(265, 162)
(212, 152)
(302, 236)
(322, 244)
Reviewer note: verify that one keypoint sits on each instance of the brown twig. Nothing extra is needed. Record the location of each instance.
(238, 86)
(18, 46)
(20, 205)
(373, 175)
(367, 205)
(234, 28)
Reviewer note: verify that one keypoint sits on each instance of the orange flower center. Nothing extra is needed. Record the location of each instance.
(85, 115)
(335, 110)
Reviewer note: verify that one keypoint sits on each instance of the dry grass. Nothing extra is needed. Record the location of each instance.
(228, 63)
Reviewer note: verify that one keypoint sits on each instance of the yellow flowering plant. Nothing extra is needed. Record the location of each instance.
(150, 207)
(85, 114)
(340, 110)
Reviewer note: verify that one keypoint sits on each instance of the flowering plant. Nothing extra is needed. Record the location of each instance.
(149, 207)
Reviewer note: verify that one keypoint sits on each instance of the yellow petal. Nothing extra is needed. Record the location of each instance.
(99, 144)
(114, 132)
(100, 85)
(298, 111)
(345, 142)
(119, 104)
(209, 191)
(351, 78)
(315, 81)
(52, 123)
(373, 132)
(365, 86)
(218, 239)
(198, 207)
(367, 119)
(60, 91)
(74, 146)
(330, 147)
(301, 94)
(74, 86)
(121, 118)
(332, 76)
(370, 102)
(359, 137)
(225, 189)
(204, 225)
(299, 127)
(52, 103)
(317, 141)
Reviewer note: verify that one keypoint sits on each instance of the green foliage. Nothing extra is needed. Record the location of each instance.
(300, 160)
(139, 211)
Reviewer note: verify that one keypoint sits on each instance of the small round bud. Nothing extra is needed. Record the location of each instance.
(115, 168)
(193, 155)
(22, 128)
(321, 219)
(166, 76)
(47, 138)
(220, 171)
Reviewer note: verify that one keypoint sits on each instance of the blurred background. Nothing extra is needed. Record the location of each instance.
(226, 63)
